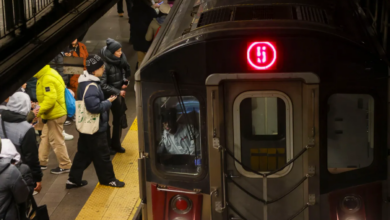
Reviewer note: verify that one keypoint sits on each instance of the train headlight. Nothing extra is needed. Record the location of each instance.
(351, 204)
(181, 204)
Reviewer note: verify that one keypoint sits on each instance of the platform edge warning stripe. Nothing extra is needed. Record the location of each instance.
(117, 203)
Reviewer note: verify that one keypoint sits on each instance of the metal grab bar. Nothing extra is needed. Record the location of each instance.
(291, 218)
(275, 200)
(235, 210)
(176, 191)
(272, 172)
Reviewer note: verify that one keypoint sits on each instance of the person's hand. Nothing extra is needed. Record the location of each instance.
(112, 98)
(124, 86)
(36, 111)
(123, 93)
(68, 54)
(71, 92)
(39, 187)
(33, 104)
(156, 5)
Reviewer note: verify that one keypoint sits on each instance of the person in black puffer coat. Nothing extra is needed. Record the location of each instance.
(140, 18)
(93, 148)
(114, 81)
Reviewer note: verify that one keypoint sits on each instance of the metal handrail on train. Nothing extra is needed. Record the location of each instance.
(268, 174)
(275, 200)
(291, 218)
(272, 172)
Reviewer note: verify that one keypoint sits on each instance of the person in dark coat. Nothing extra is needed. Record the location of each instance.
(21, 133)
(31, 89)
(13, 190)
(93, 148)
(57, 64)
(141, 16)
(114, 82)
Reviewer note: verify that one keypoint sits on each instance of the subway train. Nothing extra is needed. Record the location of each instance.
(264, 110)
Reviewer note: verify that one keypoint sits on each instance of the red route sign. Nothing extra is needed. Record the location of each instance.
(261, 55)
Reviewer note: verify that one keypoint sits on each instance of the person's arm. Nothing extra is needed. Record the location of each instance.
(29, 153)
(194, 143)
(18, 187)
(161, 145)
(93, 103)
(49, 97)
(108, 89)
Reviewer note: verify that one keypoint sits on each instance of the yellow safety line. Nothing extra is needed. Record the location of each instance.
(117, 203)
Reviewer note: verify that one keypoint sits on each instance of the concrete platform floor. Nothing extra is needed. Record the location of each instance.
(66, 204)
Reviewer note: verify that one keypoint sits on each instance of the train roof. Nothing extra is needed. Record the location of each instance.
(192, 21)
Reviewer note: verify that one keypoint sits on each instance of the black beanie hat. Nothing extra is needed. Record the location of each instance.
(93, 63)
(113, 45)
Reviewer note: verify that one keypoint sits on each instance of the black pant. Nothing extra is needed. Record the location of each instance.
(129, 6)
(118, 109)
(92, 148)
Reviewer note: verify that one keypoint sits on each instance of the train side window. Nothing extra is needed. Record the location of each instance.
(177, 135)
(264, 132)
(350, 134)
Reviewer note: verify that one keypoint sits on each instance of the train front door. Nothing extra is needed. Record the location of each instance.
(269, 121)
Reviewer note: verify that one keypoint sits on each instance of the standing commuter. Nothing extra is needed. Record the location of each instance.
(76, 49)
(114, 82)
(51, 98)
(93, 148)
(57, 64)
(119, 5)
(143, 13)
(14, 126)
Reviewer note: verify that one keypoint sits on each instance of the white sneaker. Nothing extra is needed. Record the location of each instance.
(67, 123)
(67, 137)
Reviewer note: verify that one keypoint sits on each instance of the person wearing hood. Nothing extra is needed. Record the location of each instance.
(93, 148)
(114, 82)
(51, 97)
(14, 190)
(14, 126)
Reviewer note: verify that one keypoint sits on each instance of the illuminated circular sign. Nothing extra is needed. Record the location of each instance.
(261, 55)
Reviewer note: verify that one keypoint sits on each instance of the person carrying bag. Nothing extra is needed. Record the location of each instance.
(92, 124)
(86, 122)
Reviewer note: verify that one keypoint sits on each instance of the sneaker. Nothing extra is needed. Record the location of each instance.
(67, 123)
(43, 167)
(120, 14)
(59, 171)
(122, 150)
(115, 183)
(70, 185)
(67, 137)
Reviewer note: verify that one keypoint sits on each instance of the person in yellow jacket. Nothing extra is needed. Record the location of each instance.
(51, 97)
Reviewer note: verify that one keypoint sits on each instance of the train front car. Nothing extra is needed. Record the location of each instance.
(263, 110)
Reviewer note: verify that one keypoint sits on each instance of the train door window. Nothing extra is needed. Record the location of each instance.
(350, 134)
(262, 132)
(177, 135)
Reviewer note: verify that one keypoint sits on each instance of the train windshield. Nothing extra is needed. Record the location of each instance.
(263, 133)
(177, 136)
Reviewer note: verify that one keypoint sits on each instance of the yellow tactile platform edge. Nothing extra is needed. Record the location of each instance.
(117, 203)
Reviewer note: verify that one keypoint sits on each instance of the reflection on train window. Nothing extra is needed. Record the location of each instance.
(350, 132)
(263, 133)
(177, 134)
